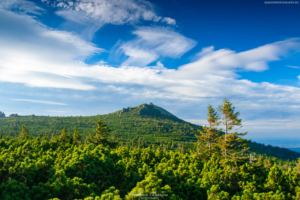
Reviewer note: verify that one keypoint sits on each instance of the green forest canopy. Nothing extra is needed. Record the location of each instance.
(66, 167)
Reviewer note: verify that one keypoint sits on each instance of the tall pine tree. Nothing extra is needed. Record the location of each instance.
(207, 140)
(102, 134)
(232, 145)
(24, 134)
(64, 138)
(76, 137)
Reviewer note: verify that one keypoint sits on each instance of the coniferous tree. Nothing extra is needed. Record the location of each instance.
(207, 140)
(64, 137)
(275, 179)
(76, 137)
(182, 149)
(45, 138)
(232, 145)
(102, 135)
(24, 134)
(298, 165)
(2, 114)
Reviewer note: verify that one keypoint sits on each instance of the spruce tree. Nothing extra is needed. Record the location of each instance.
(232, 145)
(76, 137)
(208, 137)
(24, 134)
(2, 114)
(64, 137)
(182, 149)
(102, 135)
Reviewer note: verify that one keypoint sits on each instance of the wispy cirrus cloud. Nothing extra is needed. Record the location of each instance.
(169, 20)
(40, 101)
(295, 67)
(38, 56)
(93, 14)
(226, 63)
(22, 6)
(111, 11)
(152, 43)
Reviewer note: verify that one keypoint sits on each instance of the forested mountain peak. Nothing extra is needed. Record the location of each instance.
(150, 110)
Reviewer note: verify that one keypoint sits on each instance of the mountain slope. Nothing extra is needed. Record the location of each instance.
(146, 122)
(142, 125)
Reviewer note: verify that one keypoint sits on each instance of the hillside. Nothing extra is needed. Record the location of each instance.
(143, 125)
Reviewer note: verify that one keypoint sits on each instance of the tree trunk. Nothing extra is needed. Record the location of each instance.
(225, 137)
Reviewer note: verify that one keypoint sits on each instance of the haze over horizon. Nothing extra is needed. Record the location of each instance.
(88, 57)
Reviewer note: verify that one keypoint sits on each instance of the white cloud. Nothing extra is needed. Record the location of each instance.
(40, 101)
(138, 57)
(151, 43)
(205, 51)
(169, 20)
(32, 78)
(32, 54)
(109, 11)
(93, 14)
(296, 67)
(200, 122)
(74, 16)
(40, 57)
(22, 6)
(225, 63)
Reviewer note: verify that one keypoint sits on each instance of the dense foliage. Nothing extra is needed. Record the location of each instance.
(46, 168)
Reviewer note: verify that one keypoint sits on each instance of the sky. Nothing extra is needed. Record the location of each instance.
(89, 57)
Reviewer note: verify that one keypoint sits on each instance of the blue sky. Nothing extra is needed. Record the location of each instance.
(88, 57)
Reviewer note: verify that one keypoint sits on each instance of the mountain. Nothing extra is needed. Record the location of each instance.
(146, 123)
(143, 125)
(151, 110)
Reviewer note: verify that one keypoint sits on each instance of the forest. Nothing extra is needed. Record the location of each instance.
(98, 165)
